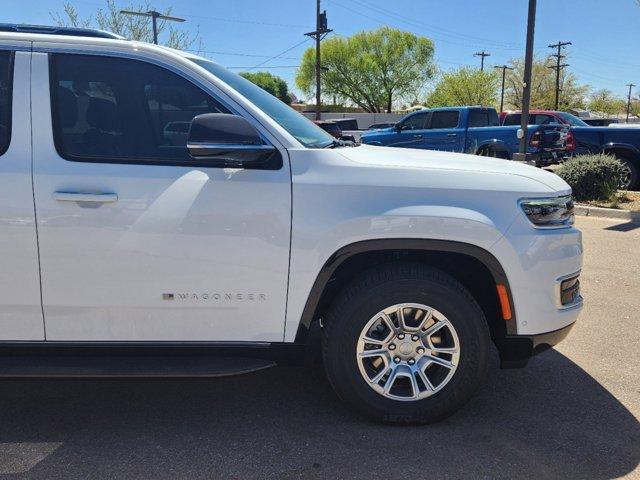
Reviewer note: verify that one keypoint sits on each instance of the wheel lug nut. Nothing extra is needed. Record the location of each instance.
(411, 361)
(392, 346)
(420, 350)
(401, 336)
(396, 359)
(415, 338)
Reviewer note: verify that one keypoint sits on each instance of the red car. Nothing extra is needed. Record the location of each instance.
(545, 117)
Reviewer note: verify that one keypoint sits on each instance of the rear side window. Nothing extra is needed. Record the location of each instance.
(445, 119)
(512, 119)
(116, 109)
(483, 118)
(6, 82)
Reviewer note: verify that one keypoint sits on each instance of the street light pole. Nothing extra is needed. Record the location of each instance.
(526, 87)
(154, 19)
(504, 71)
(630, 85)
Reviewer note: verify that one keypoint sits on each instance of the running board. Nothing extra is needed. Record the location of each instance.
(82, 366)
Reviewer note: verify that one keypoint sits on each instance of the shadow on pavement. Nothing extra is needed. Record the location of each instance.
(551, 420)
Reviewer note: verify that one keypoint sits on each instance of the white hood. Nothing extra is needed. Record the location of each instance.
(450, 161)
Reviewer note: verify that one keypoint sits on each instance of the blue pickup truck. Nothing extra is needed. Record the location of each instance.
(473, 130)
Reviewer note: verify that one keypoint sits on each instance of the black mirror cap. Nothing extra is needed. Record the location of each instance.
(223, 129)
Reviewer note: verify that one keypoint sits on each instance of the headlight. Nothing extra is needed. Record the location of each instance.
(549, 212)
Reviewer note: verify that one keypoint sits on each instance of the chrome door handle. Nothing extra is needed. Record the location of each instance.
(85, 197)
(417, 136)
(452, 134)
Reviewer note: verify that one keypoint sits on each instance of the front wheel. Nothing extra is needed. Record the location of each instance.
(630, 175)
(405, 343)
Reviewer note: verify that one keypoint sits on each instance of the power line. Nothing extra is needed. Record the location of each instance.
(482, 54)
(280, 54)
(237, 54)
(558, 66)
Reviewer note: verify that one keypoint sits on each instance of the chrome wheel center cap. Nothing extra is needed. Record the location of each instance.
(406, 348)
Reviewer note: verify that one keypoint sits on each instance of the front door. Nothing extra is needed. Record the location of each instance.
(443, 132)
(137, 242)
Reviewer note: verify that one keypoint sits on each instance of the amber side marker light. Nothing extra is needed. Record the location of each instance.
(504, 301)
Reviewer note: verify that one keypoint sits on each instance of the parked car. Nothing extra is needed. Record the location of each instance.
(257, 235)
(379, 126)
(334, 129)
(472, 130)
(622, 142)
(600, 122)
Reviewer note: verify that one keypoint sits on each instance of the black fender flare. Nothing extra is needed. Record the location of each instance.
(399, 244)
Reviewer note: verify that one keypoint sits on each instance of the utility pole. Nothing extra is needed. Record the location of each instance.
(630, 85)
(154, 19)
(321, 32)
(557, 67)
(482, 54)
(504, 71)
(526, 88)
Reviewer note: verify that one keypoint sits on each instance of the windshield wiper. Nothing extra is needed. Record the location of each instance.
(340, 143)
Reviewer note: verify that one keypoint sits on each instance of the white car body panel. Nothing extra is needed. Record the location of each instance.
(21, 312)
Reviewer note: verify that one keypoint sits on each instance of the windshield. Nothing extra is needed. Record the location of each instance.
(303, 129)
(572, 120)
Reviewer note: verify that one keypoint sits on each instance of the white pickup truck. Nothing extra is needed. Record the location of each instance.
(135, 244)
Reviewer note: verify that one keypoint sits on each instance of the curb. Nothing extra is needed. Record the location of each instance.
(589, 211)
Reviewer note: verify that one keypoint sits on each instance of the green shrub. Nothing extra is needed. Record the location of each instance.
(592, 177)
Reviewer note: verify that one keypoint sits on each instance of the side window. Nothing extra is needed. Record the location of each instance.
(6, 82)
(544, 119)
(415, 122)
(107, 108)
(512, 119)
(483, 118)
(444, 119)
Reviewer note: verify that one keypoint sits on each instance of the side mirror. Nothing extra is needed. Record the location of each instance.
(229, 140)
(398, 127)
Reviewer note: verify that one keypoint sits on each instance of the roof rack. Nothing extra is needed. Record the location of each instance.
(49, 30)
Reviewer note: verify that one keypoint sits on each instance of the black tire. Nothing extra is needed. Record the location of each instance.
(631, 179)
(386, 286)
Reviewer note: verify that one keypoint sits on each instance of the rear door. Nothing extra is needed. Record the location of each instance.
(20, 307)
(444, 131)
(139, 241)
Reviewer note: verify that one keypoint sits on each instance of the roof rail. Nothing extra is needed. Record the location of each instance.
(49, 30)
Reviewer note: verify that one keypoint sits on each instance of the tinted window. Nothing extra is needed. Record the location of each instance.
(512, 119)
(445, 119)
(483, 118)
(415, 122)
(120, 109)
(543, 119)
(5, 100)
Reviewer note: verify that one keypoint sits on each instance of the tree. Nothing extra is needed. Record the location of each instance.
(465, 86)
(370, 69)
(543, 87)
(129, 26)
(604, 101)
(273, 84)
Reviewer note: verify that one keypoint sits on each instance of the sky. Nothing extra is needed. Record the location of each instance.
(246, 34)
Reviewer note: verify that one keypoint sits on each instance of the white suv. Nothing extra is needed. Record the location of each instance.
(129, 248)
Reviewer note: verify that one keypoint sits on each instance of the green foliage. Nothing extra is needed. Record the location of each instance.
(592, 177)
(129, 26)
(465, 86)
(604, 101)
(371, 69)
(273, 84)
(543, 87)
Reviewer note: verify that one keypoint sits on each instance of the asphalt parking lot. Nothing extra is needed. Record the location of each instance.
(572, 414)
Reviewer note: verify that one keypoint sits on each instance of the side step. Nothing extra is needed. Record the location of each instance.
(105, 366)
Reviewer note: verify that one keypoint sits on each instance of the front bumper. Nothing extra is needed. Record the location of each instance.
(515, 350)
